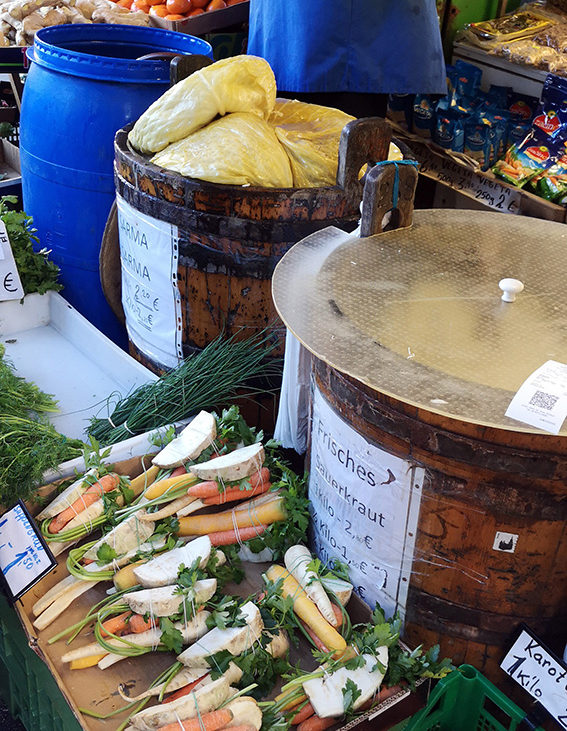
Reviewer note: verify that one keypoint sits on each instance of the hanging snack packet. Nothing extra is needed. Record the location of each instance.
(497, 133)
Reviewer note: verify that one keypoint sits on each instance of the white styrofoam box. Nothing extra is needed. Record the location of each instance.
(51, 344)
(499, 71)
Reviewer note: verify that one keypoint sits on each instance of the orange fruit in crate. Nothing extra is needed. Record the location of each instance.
(197, 11)
(216, 5)
(179, 7)
(174, 16)
(235, 2)
(141, 5)
(199, 3)
(160, 11)
(125, 3)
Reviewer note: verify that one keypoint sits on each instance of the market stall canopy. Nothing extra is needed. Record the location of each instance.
(417, 313)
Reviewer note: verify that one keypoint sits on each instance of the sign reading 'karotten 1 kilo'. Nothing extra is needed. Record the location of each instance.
(365, 504)
(540, 673)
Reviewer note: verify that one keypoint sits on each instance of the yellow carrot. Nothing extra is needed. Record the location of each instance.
(140, 483)
(243, 517)
(157, 489)
(306, 609)
(87, 662)
(124, 578)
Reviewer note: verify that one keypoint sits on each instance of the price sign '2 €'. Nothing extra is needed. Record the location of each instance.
(10, 283)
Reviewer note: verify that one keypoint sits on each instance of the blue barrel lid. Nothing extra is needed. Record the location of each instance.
(111, 52)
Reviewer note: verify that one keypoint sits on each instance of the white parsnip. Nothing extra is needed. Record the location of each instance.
(297, 559)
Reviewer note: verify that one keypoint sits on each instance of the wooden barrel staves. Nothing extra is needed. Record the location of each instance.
(469, 589)
(230, 238)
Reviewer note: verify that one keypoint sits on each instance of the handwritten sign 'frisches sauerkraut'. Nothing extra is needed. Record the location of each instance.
(365, 505)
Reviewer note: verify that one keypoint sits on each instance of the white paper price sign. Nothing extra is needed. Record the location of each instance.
(150, 294)
(10, 284)
(541, 400)
(539, 672)
(24, 558)
(365, 505)
(489, 192)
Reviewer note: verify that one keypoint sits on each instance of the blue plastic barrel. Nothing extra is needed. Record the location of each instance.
(84, 84)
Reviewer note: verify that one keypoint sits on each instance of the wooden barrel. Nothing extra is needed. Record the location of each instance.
(479, 481)
(231, 237)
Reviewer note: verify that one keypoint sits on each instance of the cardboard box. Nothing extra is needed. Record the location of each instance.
(10, 173)
(97, 690)
(207, 22)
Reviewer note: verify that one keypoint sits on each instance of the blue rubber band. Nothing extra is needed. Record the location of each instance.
(396, 163)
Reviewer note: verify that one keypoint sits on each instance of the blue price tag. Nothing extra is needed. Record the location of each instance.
(24, 556)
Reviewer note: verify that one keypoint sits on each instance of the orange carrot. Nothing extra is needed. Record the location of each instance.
(306, 712)
(316, 641)
(338, 614)
(260, 477)
(185, 690)
(178, 471)
(87, 561)
(229, 496)
(212, 721)
(138, 624)
(116, 625)
(314, 723)
(210, 488)
(244, 727)
(91, 495)
(229, 537)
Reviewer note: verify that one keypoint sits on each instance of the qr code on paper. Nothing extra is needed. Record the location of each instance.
(543, 400)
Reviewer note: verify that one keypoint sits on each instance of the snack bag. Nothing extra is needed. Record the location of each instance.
(423, 115)
(467, 79)
(523, 162)
(477, 141)
(449, 131)
(553, 184)
(522, 106)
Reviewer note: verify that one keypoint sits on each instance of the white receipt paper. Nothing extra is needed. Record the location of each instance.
(541, 401)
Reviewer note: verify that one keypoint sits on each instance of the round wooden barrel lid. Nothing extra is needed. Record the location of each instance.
(417, 313)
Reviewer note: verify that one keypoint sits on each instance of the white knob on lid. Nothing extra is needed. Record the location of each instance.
(510, 287)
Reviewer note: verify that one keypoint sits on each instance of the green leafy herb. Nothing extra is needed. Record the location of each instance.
(279, 536)
(171, 637)
(106, 553)
(230, 572)
(226, 612)
(351, 692)
(29, 444)
(37, 272)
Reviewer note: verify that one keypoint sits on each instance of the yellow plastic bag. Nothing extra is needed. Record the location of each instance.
(236, 84)
(310, 135)
(237, 149)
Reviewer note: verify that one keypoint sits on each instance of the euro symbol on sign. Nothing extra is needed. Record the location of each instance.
(9, 284)
(368, 541)
(156, 304)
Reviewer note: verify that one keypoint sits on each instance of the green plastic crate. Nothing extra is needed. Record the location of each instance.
(26, 684)
(467, 701)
